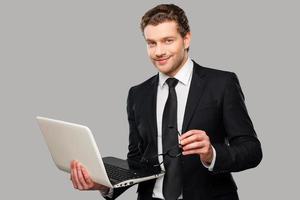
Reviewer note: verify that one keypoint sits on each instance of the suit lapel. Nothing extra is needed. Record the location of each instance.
(151, 107)
(195, 93)
(196, 90)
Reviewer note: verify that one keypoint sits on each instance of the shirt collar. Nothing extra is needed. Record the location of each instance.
(183, 75)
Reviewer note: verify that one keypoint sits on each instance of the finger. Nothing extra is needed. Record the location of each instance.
(189, 152)
(71, 171)
(80, 178)
(72, 164)
(193, 145)
(204, 150)
(79, 186)
(87, 177)
(189, 133)
(192, 138)
(73, 179)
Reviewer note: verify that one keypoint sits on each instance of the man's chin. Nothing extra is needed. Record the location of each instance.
(164, 70)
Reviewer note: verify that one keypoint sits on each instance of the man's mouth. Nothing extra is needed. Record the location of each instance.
(162, 61)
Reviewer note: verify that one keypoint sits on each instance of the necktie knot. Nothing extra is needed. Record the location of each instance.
(172, 82)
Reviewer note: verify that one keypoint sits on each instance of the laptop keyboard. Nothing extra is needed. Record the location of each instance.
(118, 173)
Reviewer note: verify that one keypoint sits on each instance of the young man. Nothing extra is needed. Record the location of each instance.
(205, 105)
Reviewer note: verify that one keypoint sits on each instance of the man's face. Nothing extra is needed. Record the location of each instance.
(166, 48)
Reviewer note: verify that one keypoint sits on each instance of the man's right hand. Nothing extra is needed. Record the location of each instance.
(81, 179)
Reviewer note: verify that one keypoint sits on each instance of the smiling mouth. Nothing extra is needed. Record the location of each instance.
(161, 60)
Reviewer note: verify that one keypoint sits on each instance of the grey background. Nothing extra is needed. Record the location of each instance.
(75, 61)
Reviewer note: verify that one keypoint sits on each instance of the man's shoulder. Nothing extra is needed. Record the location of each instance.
(213, 76)
(212, 72)
(150, 82)
(145, 86)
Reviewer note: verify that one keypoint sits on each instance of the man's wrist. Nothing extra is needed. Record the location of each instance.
(207, 159)
(107, 192)
(104, 190)
(210, 166)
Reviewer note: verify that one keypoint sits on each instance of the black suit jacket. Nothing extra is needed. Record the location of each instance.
(216, 105)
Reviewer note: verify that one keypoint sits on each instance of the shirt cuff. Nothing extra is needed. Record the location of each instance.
(108, 193)
(211, 166)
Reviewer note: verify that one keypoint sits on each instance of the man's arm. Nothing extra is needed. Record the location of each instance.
(134, 153)
(80, 176)
(81, 179)
(243, 150)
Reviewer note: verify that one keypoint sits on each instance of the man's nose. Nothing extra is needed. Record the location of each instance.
(160, 51)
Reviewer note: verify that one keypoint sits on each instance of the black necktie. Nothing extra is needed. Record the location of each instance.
(172, 178)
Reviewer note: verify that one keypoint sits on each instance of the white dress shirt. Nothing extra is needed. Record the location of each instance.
(184, 77)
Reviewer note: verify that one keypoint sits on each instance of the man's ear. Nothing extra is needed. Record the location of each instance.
(187, 40)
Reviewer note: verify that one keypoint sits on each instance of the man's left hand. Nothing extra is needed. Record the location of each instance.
(197, 142)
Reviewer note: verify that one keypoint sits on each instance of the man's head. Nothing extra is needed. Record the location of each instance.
(167, 33)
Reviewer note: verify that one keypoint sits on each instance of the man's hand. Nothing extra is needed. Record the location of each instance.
(81, 179)
(197, 142)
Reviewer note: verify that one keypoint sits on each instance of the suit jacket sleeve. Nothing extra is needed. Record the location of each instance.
(135, 142)
(133, 148)
(243, 149)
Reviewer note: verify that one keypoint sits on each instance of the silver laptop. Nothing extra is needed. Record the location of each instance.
(68, 141)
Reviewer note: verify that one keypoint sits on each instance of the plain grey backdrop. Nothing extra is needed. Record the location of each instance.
(75, 61)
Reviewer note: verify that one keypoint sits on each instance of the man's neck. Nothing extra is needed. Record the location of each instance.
(181, 65)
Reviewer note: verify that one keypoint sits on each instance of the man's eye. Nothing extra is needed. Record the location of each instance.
(169, 41)
(151, 44)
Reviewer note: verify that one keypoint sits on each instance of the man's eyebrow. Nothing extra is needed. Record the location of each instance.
(168, 37)
(162, 39)
(150, 40)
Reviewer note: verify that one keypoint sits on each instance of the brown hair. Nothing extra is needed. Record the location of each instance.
(163, 13)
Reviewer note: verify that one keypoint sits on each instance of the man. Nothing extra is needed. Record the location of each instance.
(205, 105)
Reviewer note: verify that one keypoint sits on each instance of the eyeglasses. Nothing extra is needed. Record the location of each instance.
(173, 152)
